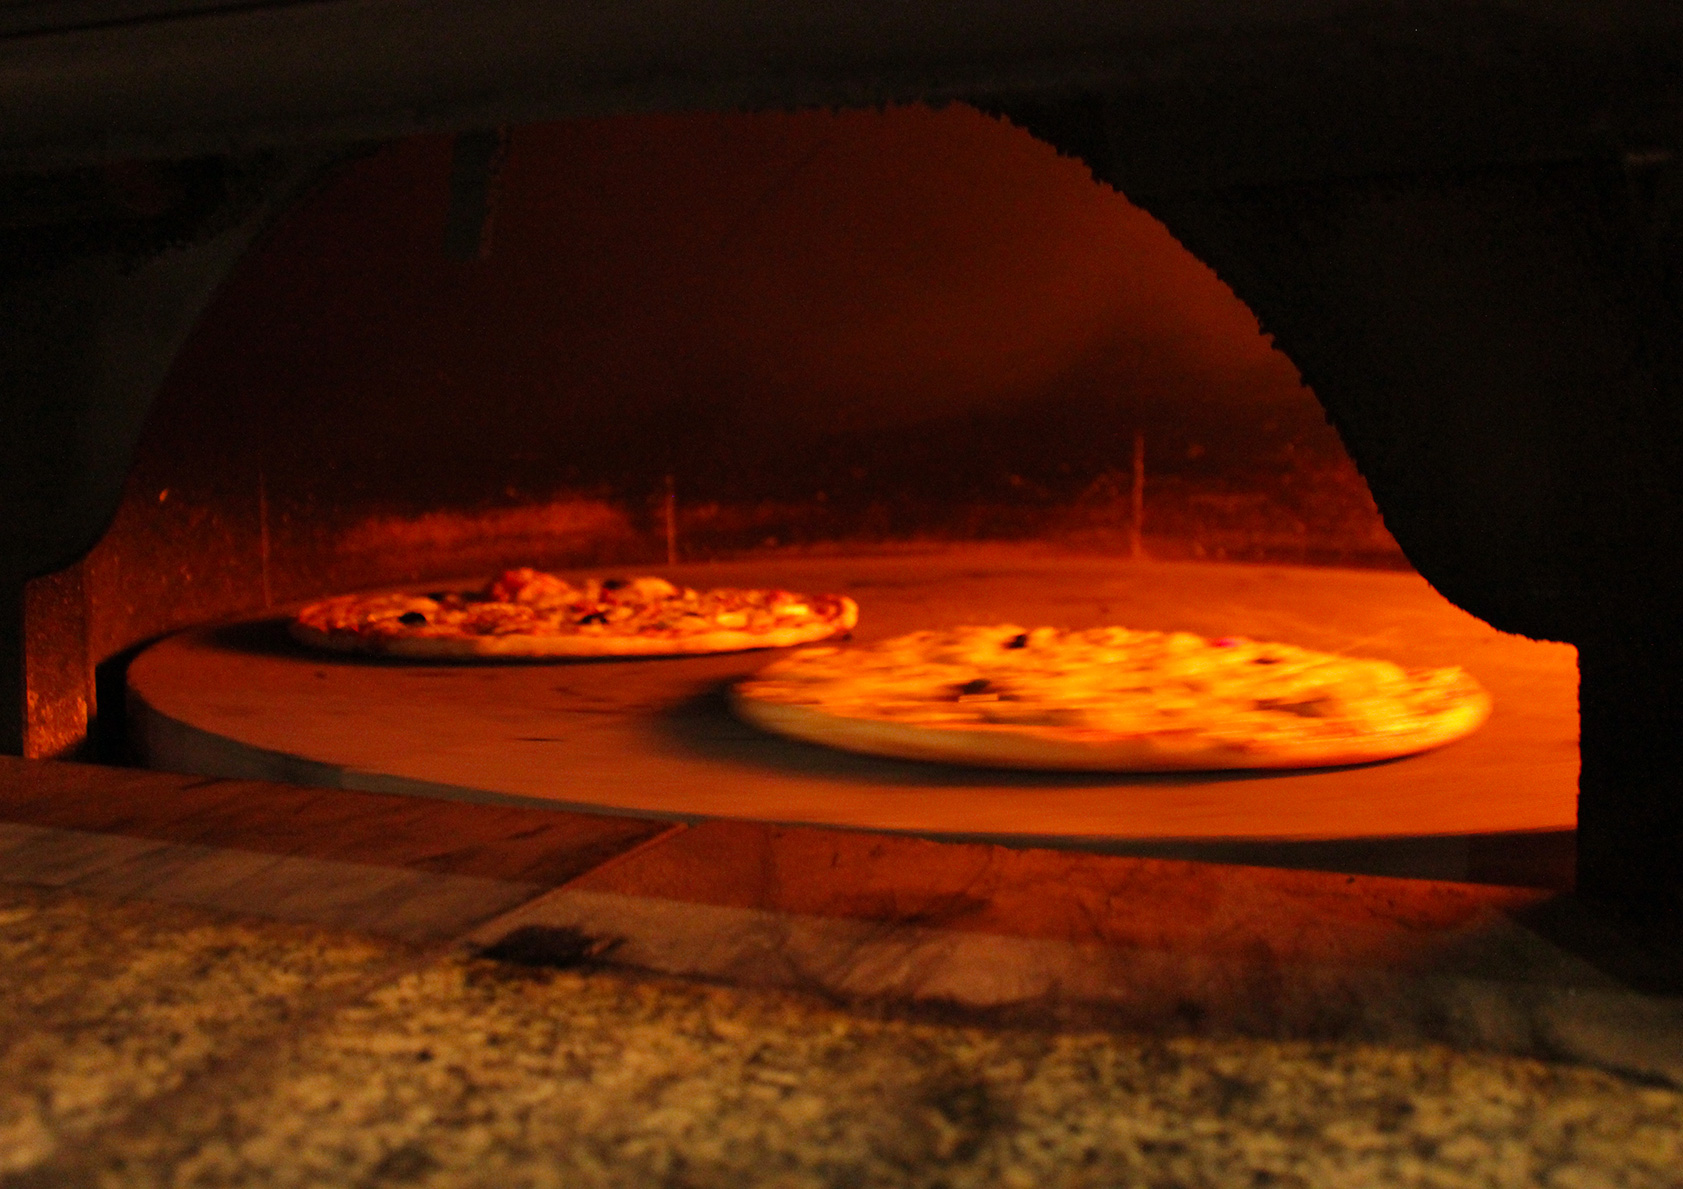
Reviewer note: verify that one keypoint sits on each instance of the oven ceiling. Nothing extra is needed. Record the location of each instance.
(1296, 87)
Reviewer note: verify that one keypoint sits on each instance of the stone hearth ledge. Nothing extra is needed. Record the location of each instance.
(1142, 944)
(1020, 936)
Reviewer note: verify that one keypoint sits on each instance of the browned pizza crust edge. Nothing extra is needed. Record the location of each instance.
(515, 646)
(1054, 749)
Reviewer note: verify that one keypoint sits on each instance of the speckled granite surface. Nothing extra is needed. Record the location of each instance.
(150, 1045)
(106, 1007)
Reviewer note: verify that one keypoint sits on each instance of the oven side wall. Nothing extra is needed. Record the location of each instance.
(104, 274)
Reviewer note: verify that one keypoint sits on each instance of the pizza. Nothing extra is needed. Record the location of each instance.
(1108, 699)
(525, 613)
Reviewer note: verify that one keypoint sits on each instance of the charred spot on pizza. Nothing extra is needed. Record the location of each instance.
(615, 583)
(973, 688)
(1020, 640)
(1319, 706)
(594, 617)
(1265, 660)
(412, 618)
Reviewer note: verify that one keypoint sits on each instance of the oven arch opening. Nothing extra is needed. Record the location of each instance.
(357, 292)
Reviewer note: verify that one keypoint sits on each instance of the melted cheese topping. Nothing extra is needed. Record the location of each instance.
(1113, 683)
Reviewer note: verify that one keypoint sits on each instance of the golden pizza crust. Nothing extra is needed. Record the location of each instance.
(515, 646)
(1404, 712)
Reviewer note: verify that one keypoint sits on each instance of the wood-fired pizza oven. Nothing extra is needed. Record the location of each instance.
(959, 301)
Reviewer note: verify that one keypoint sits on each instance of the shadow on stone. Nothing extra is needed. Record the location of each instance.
(549, 947)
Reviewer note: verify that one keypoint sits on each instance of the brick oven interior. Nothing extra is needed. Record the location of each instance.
(1353, 323)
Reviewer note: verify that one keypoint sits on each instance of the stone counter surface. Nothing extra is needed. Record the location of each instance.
(153, 1045)
(223, 982)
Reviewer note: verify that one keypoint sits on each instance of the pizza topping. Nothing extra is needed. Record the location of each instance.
(632, 616)
(1230, 702)
(1322, 706)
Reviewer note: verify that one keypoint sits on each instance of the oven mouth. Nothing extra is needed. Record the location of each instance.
(861, 346)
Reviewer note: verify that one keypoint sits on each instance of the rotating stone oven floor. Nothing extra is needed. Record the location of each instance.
(655, 738)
